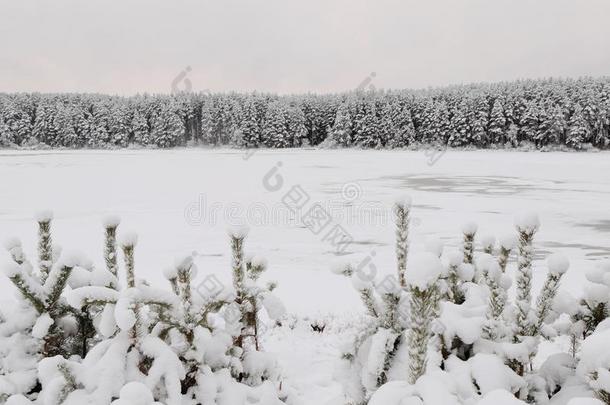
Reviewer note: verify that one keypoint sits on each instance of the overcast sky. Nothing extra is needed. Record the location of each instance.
(285, 46)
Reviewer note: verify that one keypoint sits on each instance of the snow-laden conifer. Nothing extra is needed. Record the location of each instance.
(557, 266)
(507, 244)
(110, 244)
(422, 277)
(527, 225)
(469, 230)
(402, 209)
(45, 246)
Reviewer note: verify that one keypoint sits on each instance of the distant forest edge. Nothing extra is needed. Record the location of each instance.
(573, 113)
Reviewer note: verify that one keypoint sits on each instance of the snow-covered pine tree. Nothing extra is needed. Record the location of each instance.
(209, 119)
(494, 328)
(469, 230)
(43, 321)
(250, 299)
(402, 209)
(43, 129)
(295, 125)
(497, 123)
(428, 129)
(478, 114)
(460, 127)
(64, 125)
(110, 244)
(366, 123)
(119, 125)
(185, 327)
(45, 243)
(557, 266)
(395, 124)
(527, 225)
(139, 129)
(132, 353)
(594, 306)
(16, 119)
(250, 124)
(455, 279)
(405, 134)
(594, 367)
(230, 120)
(375, 346)
(507, 244)
(275, 129)
(578, 128)
(341, 133)
(167, 129)
(422, 279)
(98, 123)
(530, 121)
(81, 125)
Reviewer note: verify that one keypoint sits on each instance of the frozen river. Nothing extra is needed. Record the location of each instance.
(183, 201)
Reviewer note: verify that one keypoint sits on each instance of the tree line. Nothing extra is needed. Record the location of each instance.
(551, 112)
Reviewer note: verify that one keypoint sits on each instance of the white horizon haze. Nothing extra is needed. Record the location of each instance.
(283, 46)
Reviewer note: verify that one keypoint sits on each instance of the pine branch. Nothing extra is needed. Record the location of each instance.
(495, 308)
(184, 289)
(27, 292)
(419, 334)
(237, 242)
(45, 248)
(128, 246)
(401, 218)
(15, 249)
(503, 258)
(110, 248)
(70, 384)
(55, 284)
(468, 247)
(455, 293)
(390, 315)
(368, 299)
(128, 255)
(545, 299)
(524, 281)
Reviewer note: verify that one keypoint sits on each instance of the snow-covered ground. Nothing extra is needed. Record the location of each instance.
(184, 200)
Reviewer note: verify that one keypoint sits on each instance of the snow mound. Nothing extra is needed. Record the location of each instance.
(111, 221)
(238, 231)
(508, 241)
(42, 325)
(454, 257)
(469, 228)
(134, 393)
(423, 270)
(558, 263)
(527, 221)
(43, 216)
(488, 240)
(500, 397)
(129, 239)
(434, 245)
(404, 200)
